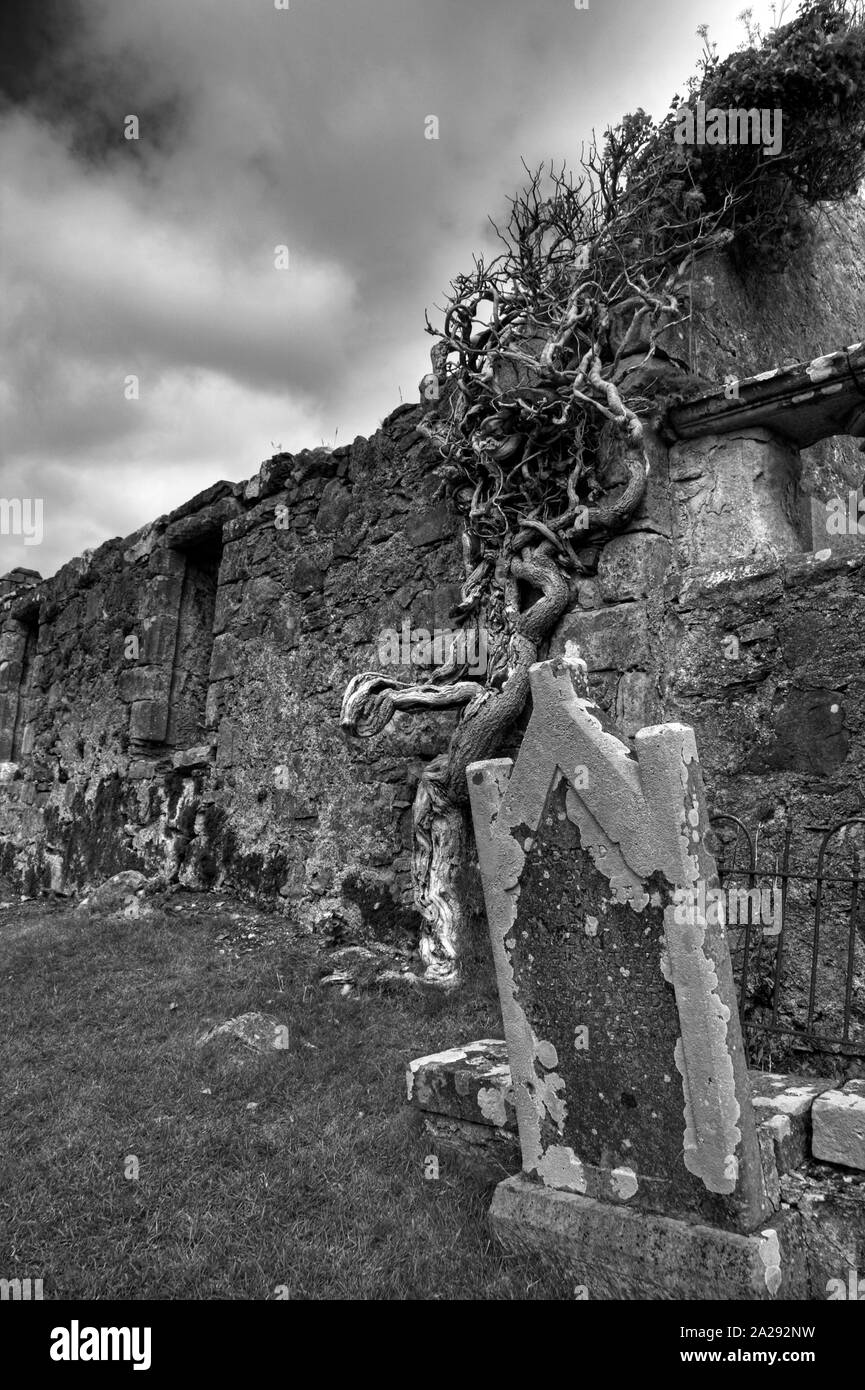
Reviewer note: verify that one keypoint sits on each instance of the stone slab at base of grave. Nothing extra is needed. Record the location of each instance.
(616, 1252)
(629, 1076)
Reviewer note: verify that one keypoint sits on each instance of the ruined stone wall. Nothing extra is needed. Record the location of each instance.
(806, 303)
(214, 754)
(711, 610)
(751, 317)
(759, 651)
(782, 722)
(721, 508)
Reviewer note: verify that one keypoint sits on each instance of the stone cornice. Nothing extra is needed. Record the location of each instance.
(802, 403)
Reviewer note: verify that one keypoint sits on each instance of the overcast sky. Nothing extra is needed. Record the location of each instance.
(261, 128)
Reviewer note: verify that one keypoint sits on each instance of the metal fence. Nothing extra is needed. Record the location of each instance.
(797, 935)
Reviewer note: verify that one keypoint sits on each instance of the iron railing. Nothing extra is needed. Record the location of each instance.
(797, 981)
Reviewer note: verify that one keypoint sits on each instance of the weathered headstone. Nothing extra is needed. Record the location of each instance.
(617, 995)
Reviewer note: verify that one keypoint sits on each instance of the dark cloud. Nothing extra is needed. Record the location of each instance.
(57, 65)
(33, 38)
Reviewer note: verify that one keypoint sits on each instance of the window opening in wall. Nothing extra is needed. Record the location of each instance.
(194, 646)
(22, 730)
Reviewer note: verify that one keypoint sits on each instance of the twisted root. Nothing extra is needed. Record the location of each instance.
(371, 699)
(439, 825)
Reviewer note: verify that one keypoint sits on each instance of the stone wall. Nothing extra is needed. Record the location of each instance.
(170, 701)
(214, 754)
(748, 319)
(757, 649)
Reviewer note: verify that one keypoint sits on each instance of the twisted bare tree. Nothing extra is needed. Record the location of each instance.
(546, 360)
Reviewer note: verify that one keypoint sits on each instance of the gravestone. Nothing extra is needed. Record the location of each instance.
(631, 1091)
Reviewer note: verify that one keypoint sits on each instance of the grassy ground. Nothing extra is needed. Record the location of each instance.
(318, 1189)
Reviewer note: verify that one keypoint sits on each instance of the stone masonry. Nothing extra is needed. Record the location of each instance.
(170, 701)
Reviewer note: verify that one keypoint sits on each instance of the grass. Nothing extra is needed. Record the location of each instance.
(316, 1192)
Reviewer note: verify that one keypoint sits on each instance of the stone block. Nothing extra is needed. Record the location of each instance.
(830, 1203)
(161, 596)
(13, 643)
(471, 1083)
(633, 566)
(260, 597)
(431, 608)
(142, 683)
(204, 526)
(614, 639)
(335, 506)
(838, 1119)
(228, 601)
(40, 672)
(734, 496)
(838, 524)
(485, 1152)
(222, 659)
(166, 562)
(217, 693)
(348, 538)
(17, 578)
(636, 704)
(70, 618)
(140, 769)
(274, 473)
(810, 734)
(433, 525)
(205, 499)
(8, 713)
(588, 594)
(261, 1032)
(782, 1104)
(94, 609)
(226, 747)
(771, 1177)
(307, 578)
(615, 1252)
(198, 756)
(311, 465)
(148, 720)
(158, 639)
(235, 563)
(294, 885)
